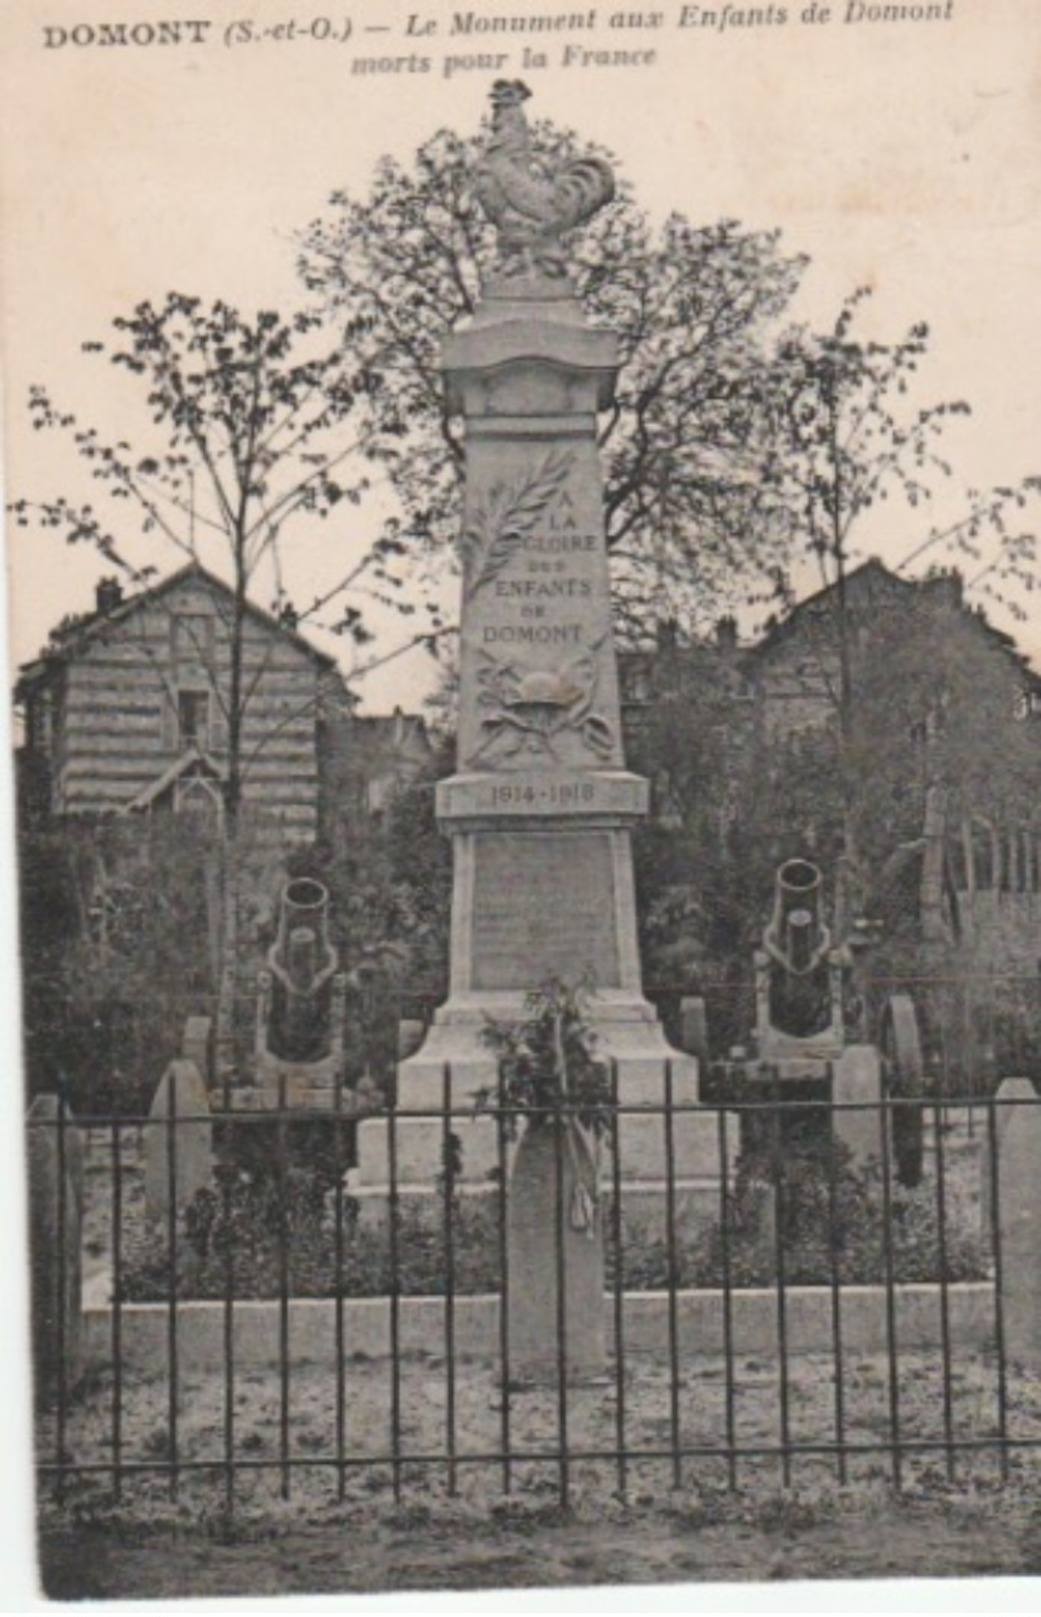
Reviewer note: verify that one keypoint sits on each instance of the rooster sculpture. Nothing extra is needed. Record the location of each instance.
(531, 204)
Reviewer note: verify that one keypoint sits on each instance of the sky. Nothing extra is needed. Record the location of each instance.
(904, 156)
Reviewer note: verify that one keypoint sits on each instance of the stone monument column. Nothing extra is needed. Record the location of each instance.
(541, 810)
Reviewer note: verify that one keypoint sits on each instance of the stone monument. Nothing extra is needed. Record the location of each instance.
(541, 810)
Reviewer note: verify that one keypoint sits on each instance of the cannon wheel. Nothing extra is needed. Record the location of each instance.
(902, 1057)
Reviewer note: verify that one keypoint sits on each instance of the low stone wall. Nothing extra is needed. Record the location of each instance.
(809, 1327)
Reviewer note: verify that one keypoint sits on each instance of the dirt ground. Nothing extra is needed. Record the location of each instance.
(689, 1528)
(695, 1539)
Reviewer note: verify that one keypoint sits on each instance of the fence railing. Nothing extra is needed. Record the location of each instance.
(217, 1297)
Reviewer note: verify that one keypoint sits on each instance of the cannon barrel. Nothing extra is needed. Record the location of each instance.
(796, 936)
(302, 955)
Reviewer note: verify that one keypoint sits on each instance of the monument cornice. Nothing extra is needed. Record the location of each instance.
(480, 351)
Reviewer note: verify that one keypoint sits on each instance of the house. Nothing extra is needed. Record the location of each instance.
(952, 711)
(366, 761)
(127, 710)
(793, 669)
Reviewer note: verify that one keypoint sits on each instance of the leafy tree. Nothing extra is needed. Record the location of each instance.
(114, 933)
(249, 436)
(686, 511)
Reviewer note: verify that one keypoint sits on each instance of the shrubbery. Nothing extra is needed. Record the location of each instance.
(826, 1219)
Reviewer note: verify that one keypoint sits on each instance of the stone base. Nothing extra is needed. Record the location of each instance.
(697, 1203)
(627, 1028)
(857, 1081)
(454, 1064)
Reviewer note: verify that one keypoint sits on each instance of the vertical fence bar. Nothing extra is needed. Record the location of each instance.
(62, 1289)
(618, 1289)
(281, 1155)
(945, 1304)
(504, 1296)
(945, 1063)
(449, 1162)
(835, 1278)
(395, 1299)
(728, 1299)
(171, 1290)
(560, 1120)
(117, 1312)
(670, 1246)
(889, 1104)
(782, 1294)
(340, 1336)
(999, 1282)
(229, 1295)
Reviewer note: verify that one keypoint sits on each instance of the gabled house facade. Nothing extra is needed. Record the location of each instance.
(974, 861)
(127, 711)
(793, 669)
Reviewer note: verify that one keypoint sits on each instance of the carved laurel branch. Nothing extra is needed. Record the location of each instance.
(505, 516)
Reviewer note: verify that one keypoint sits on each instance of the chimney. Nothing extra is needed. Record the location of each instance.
(726, 634)
(667, 635)
(108, 595)
(946, 587)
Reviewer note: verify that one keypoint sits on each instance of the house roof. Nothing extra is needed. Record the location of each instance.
(94, 624)
(395, 731)
(860, 579)
(874, 573)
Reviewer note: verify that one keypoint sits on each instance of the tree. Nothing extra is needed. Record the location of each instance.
(693, 307)
(114, 950)
(249, 434)
(844, 437)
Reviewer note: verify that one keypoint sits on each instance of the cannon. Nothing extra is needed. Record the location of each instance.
(799, 977)
(301, 995)
(301, 964)
(801, 1048)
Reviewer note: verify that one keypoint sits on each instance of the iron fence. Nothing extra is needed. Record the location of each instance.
(785, 1272)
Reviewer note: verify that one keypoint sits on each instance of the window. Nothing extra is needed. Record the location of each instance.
(956, 864)
(636, 681)
(193, 719)
(984, 855)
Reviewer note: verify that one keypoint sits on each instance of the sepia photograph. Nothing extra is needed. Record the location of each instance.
(523, 831)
